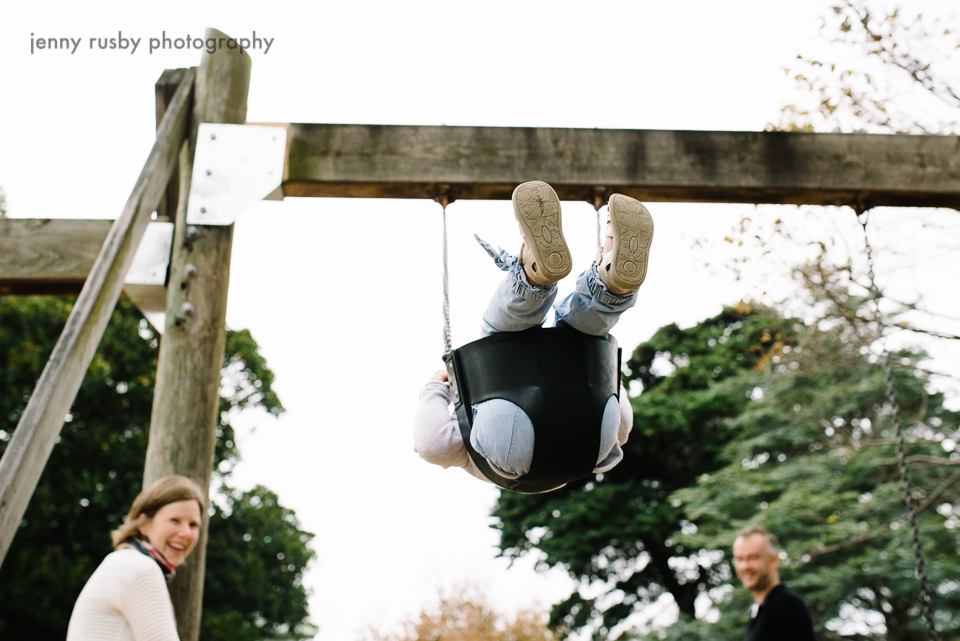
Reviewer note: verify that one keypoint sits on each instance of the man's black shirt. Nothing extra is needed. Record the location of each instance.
(782, 617)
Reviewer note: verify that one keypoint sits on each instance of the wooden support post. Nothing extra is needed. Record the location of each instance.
(31, 444)
(186, 401)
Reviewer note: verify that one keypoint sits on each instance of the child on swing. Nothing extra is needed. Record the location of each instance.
(502, 432)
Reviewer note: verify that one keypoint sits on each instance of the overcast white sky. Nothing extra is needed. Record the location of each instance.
(351, 350)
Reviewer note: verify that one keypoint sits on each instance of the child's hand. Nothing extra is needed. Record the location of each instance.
(502, 259)
(440, 375)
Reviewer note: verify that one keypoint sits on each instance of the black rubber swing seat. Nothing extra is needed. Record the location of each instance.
(560, 377)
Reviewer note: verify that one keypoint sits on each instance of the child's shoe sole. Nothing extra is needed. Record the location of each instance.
(625, 267)
(537, 209)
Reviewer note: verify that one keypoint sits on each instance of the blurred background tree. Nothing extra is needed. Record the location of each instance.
(257, 552)
(815, 462)
(463, 614)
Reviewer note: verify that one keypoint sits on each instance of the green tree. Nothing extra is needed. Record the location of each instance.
(253, 589)
(617, 533)
(255, 570)
(815, 462)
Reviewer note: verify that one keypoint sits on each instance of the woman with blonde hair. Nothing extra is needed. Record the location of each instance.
(126, 599)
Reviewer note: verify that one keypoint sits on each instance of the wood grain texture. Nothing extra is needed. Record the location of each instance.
(374, 161)
(50, 256)
(186, 400)
(53, 257)
(33, 440)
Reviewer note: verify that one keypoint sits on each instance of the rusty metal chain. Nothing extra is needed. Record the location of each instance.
(925, 592)
(925, 598)
(447, 339)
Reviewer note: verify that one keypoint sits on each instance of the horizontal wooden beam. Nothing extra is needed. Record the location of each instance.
(382, 161)
(48, 256)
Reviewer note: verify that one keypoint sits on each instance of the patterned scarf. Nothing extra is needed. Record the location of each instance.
(143, 546)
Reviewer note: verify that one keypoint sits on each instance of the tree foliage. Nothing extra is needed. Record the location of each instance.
(256, 570)
(463, 614)
(256, 553)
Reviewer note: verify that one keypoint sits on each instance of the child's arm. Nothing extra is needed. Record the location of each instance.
(436, 433)
(626, 417)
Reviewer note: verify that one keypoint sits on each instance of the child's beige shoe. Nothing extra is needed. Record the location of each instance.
(624, 268)
(545, 256)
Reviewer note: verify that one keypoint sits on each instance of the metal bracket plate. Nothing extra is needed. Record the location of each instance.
(234, 167)
(149, 266)
(146, 280)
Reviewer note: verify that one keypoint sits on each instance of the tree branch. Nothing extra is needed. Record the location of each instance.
(856, 540)
(908, 63)
(906, 327)
(937, 492)
(849, 542)
(929, 460)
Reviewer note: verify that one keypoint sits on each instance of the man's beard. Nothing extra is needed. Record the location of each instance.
(762, 583)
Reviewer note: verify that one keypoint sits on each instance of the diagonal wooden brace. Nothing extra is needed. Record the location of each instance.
(33, 440)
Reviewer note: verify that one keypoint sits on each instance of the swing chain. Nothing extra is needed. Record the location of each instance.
(444, 200)
(925, 598)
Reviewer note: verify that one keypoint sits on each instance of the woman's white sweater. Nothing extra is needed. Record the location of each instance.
(126, 599)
